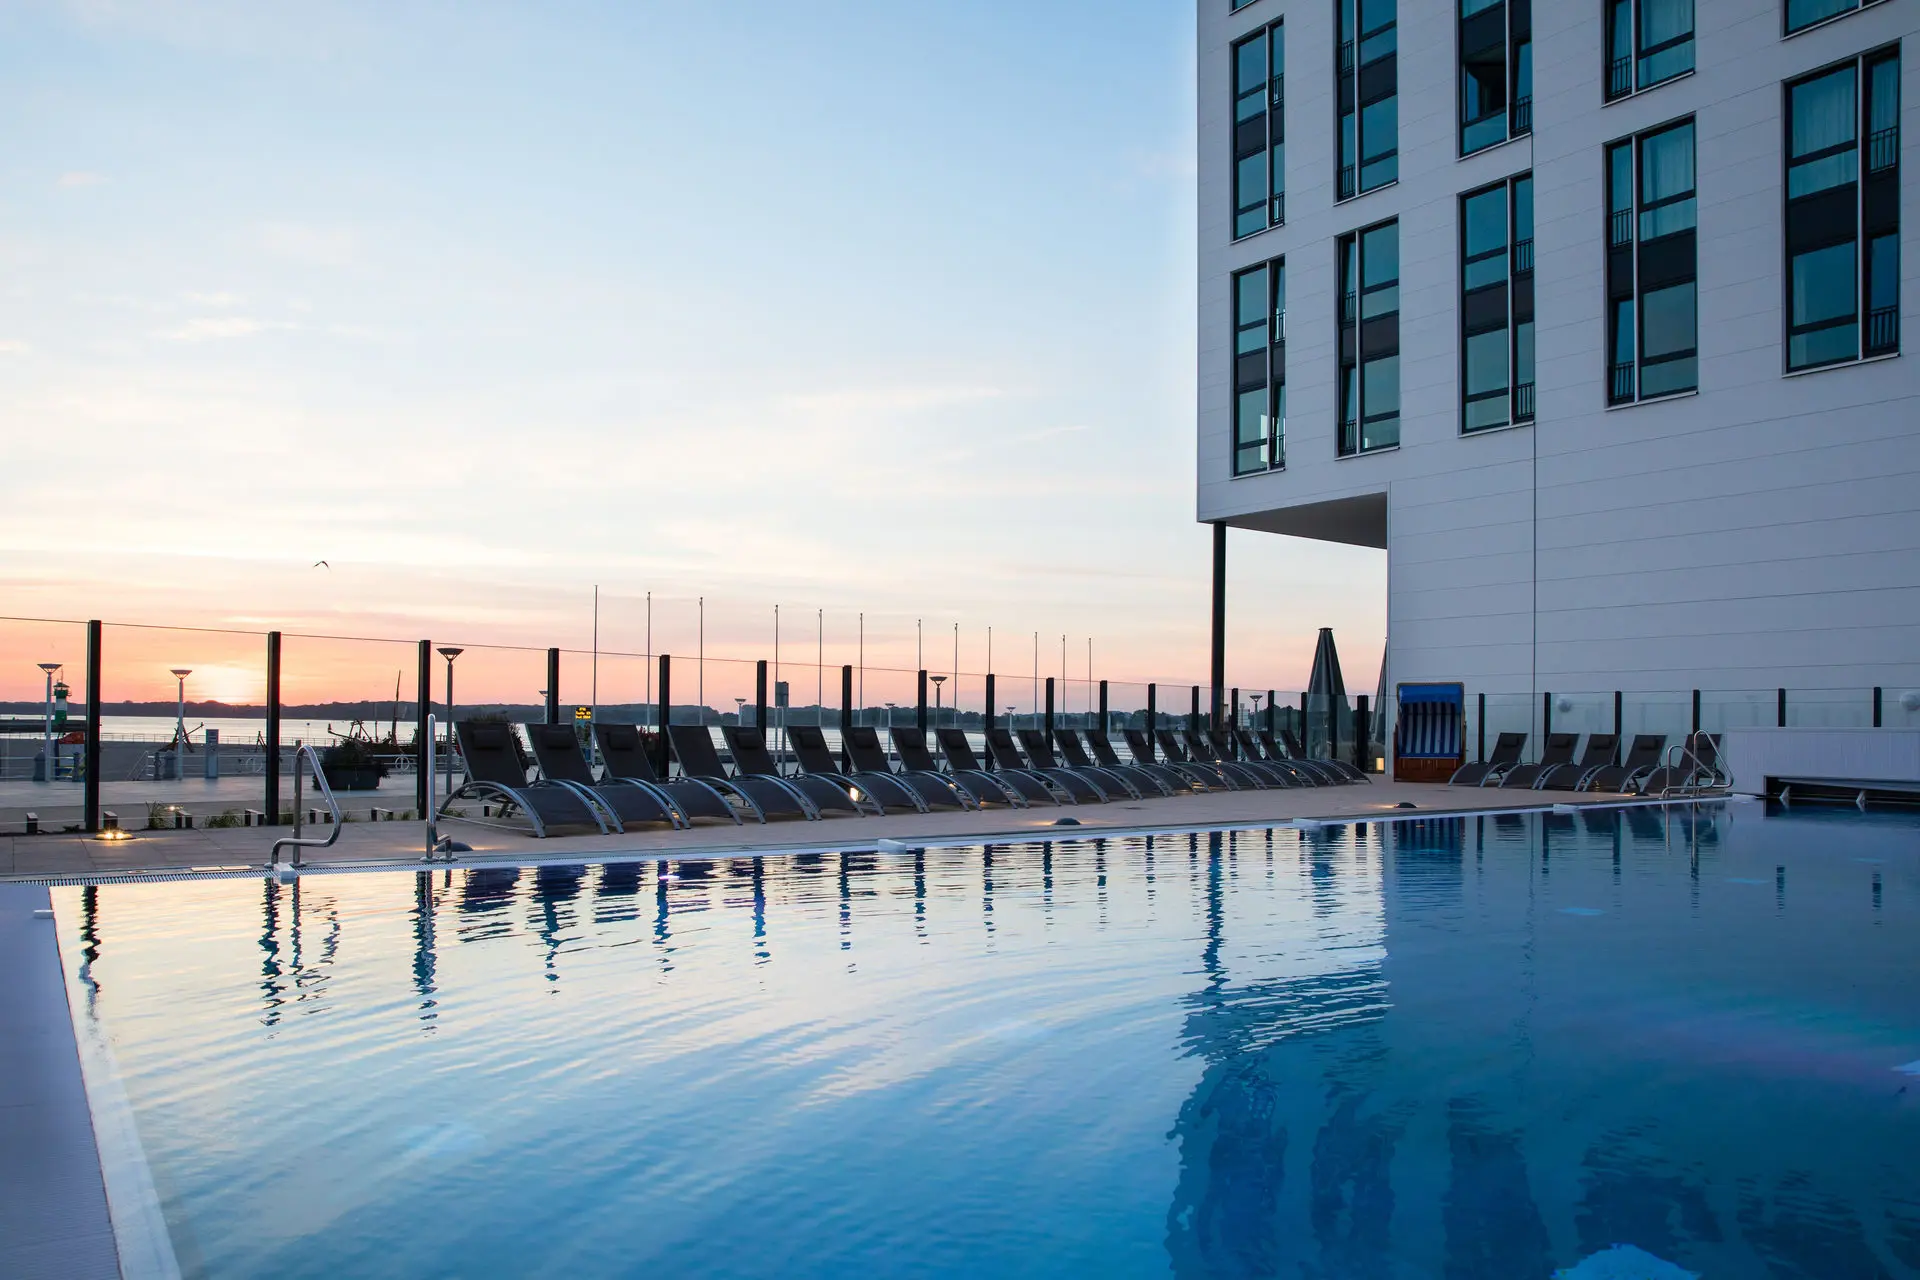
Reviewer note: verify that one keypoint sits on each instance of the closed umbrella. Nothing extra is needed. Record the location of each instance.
(1327, 708)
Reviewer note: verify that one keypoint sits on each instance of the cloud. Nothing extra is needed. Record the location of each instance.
(215, 299)
(314, 245)
(213, 328)
(863, 400)
(80, 178)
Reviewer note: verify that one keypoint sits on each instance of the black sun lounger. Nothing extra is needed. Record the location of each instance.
(881, 790)
(1223, 751)
(751, 759)
(496, 770)
(1008, 757)
(1506, 754)
(1178, 753)
(624, 752)
(1290, 769)
(982, 787)
(1136, 783)
(770, 797)
(934, 789)
(556, 749)
(1140, 742)
(1323, 774)
(1103, 786)
(961, 762)
(1599, 753)
(1155, 775)
(1643, 757)
(1333, 768)
(1558, 751)
(1698, 766)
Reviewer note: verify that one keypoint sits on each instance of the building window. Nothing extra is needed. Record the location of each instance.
(1239, 4)
(1802, 14)
(1652, 340)
(1843, 212)
(1370, 339)
(1259, 132)
(1496, 305)
(1260, 368)
(1366, 79)
(1496, 72)
(1648, 42)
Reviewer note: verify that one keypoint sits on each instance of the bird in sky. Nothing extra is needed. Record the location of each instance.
(321, 564)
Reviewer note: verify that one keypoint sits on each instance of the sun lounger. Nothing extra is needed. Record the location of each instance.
(1135, 783)
(1333, 767)
(878, 789)
(624, 752)
(751, 759)
(1567, 777)
(1558, 751)
(1228, 750)
(497, 770)
(1289, 769)
(1157, 776)
(1643, 757)
(556, 749)
(1032, 786)
(693, 747)
(1287, 748)
(1040, 751)
(1506, 754)
(1007, 755)
(934, 789)
(1697, 765)
(1196, 748)
(979, 786)
(1140, 742)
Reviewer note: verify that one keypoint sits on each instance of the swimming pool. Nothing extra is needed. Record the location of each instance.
(1469, 1047)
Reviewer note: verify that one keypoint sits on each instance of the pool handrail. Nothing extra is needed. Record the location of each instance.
(296, 842)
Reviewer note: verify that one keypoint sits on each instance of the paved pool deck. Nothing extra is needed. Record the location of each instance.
(367, 845)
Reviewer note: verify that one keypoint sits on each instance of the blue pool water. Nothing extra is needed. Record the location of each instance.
(1483, 1047)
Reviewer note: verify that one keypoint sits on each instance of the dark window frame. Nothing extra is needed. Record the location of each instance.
(1624, 228)
(1613, 66)
(1875, 180)
(1348, 73)
(1516, 111)
(1275, 132)
(1786, 18)
(1351, 431)
(1274, 446)
(1519, 298)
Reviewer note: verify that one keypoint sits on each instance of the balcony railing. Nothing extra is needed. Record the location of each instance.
(1347, 309)
(1346, 57)
(1523, 257)
(1621, 389)
(1619, 77)
(1620, 227)
(1883, 330)
(1522, 115)
(1883, 149)
(1523, 402)
(1277, 208)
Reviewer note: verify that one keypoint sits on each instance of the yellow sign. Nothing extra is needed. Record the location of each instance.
(583, 713)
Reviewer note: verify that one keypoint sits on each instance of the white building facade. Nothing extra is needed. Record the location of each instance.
(1591, 314)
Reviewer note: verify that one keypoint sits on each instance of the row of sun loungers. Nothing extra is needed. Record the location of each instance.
(630, 790)
(1596, 769)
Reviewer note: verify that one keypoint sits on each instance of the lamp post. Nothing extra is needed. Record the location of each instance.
(937, 682)
(1009, 717)
(449, 652)
(739, 709)
(46, 748)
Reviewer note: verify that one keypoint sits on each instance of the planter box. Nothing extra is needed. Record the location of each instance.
(352, 777)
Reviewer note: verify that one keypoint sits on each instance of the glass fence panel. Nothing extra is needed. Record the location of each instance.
(1506, 713)
(1723, 709)
(1900, 708)
(1832, 708)
(43, 709)
(1669, 715)
(1583, 713)
(356, 702)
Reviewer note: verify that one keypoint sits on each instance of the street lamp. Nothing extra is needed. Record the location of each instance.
(937, 682)
(47, 725)
(449, 653)
(180, 714)
(1009, 717)
(739, 709)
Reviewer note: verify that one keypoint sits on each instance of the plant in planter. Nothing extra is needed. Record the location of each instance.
(351, 766)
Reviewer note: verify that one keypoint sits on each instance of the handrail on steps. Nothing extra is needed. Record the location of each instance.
(295, 841)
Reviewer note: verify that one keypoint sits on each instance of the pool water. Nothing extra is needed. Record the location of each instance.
(1483, 1047)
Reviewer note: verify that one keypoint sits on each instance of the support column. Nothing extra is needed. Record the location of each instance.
(90, 792)
(553, 686)
(1218, 669)
(272, 762)
(422, 708)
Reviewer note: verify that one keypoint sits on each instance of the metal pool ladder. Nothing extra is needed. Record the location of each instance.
(295, 841)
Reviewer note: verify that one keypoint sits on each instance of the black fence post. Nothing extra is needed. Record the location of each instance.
(1303, 722)
(1696, 711)
(422, 708)
(1333, 726)
(1193, 712)
(1780, 716)
(1546, 719)
(1233, 710)
(1273, 712)
(1363, 734)
(987, 721)
(920, 705)
(1217, 671)
(665, 712)
(1618, 721)
(1048, 723)
(1103, 706)
(91, 791)
(760, 695)
(1153, 719)
(846, 716)
(553, 686)
(1480, 725)
(272, 762)
(1876, 707)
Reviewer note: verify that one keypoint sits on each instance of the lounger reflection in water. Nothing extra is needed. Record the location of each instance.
(624, 752)
(751, 759)
(497, 770)
(556, 749)
(881, 788)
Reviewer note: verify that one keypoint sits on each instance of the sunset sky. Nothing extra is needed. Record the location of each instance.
(838, 306)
